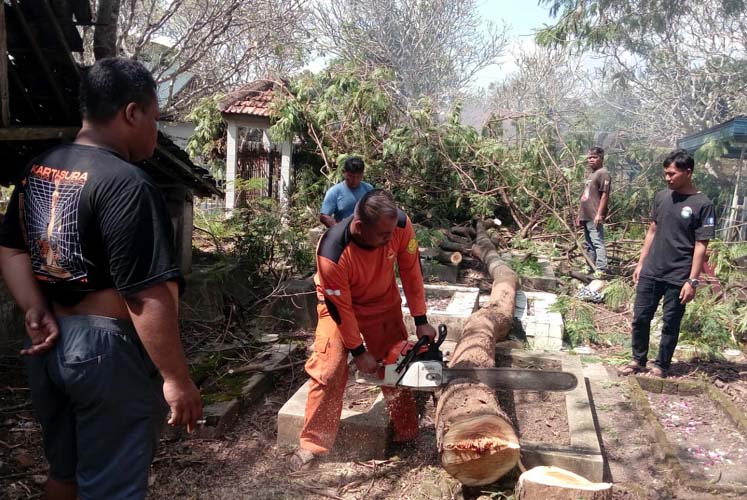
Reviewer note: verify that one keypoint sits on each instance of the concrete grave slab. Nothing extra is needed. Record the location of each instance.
(221, 416)
(548, 282)
(584, 455)
(543, 327)
(361, 436)
(455, 305)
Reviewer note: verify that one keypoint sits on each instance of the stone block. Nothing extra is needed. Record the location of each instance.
(202, 299)
(439, 272)
(361, 436)
(294, 301)
(542, 326)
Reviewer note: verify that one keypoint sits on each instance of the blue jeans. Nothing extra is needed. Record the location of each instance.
(99, 400)
(594, 245)
(647, 297)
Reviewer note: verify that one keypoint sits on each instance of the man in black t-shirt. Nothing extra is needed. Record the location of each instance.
(86, 250)
(671, 259)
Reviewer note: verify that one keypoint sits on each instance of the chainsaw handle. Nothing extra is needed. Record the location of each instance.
(441, 335)
(422, 342)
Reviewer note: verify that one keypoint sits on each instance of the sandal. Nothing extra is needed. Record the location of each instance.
(656, 371)
(301, 460)
(631, 369)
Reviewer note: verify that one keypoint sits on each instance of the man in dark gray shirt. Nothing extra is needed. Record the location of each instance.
(593, 208)
(683, 221)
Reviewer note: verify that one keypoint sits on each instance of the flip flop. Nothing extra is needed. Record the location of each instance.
(656, 371)
(631, 369)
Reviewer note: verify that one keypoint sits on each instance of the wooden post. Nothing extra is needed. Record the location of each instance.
(231, 145)
(4, 91)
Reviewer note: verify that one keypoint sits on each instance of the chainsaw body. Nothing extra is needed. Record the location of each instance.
(419, 366)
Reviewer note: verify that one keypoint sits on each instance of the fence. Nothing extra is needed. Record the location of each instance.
(734, 225)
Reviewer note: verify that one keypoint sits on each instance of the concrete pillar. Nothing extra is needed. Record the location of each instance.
(231, 150)
(286, 150)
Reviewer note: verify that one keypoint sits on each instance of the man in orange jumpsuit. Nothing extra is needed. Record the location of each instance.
(360, 314)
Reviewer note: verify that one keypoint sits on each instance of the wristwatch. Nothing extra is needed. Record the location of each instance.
(693, 282)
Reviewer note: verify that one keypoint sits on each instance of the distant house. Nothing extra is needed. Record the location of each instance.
(731, 137)
(250, 154)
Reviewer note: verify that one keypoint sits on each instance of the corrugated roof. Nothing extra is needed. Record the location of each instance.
(252, 99)
(732, 134)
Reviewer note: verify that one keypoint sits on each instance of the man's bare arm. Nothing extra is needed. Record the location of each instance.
(688, 291)
(154, 312)
(603, 201)
(41, 326)
(327, 220)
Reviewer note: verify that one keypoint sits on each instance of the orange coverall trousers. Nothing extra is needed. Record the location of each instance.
(328, 368)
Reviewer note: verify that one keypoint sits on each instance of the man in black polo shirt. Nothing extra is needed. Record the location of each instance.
(671, 259)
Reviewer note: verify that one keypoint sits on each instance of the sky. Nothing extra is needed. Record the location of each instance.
(522, 16)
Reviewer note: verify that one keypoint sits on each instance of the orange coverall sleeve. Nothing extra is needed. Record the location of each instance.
(408, 261)
(334, 282)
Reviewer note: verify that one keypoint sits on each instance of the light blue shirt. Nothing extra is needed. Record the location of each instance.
(340, 200)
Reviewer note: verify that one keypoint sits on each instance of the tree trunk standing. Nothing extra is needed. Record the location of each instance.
(105, 34)
(475, 438)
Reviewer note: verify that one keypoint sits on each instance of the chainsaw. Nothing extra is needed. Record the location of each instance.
(420, 366)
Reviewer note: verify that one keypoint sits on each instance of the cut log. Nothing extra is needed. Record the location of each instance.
(453, 247)
(475, 438)
(466, 241)
(465, 231)
(554, 483)
(443, 256)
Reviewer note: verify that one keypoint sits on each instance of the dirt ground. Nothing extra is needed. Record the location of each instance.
(246, 463)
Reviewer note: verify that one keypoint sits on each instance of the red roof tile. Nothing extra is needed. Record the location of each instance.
(251, 99)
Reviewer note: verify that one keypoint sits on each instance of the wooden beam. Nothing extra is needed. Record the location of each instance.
(186, 169)
(54, 84)
(60, 36)
(4, 92)
(37, 133)
(22, 91)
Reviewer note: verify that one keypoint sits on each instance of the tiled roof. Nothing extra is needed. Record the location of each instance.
(251, 99)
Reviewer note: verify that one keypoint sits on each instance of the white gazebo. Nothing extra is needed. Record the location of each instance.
(247, 113)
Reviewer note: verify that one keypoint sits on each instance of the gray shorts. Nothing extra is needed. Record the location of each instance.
(99, 399)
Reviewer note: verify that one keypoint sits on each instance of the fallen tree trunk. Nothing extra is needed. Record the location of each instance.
(554, 483)
(443, 256)
(453, 247)
(475, 438)
(464, 231)
(466, 241)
